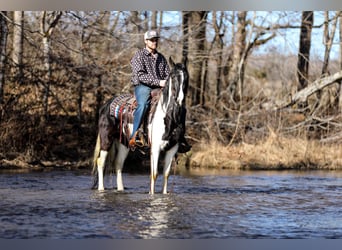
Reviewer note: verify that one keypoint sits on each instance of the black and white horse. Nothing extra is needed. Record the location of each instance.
(112, 135)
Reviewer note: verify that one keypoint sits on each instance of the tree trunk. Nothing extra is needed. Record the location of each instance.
(47, 73)
(136, 28)
(160, 20)
(326, 96)
(340, 82)
(18, 45)
(154, 20)
(81, 80)
(304, 49)
(217, 47)
(47, 25)
(328, 39)
(197, 41)
(185, 29)
(3, 46)
(239, 46)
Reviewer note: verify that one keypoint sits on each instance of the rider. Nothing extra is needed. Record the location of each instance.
(149, 70)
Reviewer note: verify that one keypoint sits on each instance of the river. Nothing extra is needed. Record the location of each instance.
(202, 204)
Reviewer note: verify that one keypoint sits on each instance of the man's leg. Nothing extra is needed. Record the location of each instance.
(142, 95)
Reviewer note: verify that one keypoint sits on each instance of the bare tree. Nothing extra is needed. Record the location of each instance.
(304, 48)
(216, 48)
(326, 95)
(328, 38)
(340, 66)
(136, 26)
(236, 57)
(154, 19)
(48, 22)
(185, 29)
(3, 46)
(18, 45)
(196, 21)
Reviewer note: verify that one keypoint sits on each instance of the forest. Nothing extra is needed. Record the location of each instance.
(252, 103)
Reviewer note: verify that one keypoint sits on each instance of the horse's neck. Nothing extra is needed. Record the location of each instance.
(166, 96)
(161, 106)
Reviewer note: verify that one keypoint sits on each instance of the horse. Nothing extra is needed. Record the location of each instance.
(112, 147)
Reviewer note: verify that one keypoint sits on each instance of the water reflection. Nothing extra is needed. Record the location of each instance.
(156, 216)
(139, 214)
(203, 204)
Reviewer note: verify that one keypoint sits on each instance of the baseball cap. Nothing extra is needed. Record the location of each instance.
(151, 34)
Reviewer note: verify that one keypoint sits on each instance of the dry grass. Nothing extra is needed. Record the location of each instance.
(274, 152)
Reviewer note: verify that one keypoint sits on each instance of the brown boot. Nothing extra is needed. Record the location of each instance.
(132, 142)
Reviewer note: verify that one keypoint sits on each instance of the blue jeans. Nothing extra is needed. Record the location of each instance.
(143, 97)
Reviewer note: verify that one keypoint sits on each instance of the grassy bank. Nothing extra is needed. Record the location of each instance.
(272, 153)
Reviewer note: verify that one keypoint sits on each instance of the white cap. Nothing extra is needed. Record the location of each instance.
(151, 34)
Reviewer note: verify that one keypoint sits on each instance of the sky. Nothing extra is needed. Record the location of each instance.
(286, 41)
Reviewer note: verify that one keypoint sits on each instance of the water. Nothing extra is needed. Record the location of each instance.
(201, 204)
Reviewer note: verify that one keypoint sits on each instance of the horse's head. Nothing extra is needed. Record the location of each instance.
(179, 80)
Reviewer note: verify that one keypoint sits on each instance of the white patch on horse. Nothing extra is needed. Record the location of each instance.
(181, 93)
(157, 127)
(166, 104)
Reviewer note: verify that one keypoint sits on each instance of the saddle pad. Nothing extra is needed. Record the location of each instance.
(120, 103)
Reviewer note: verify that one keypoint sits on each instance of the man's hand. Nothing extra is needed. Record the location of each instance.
(162, 83)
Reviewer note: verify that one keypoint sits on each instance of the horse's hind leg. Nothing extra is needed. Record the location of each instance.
(100, 168)
(167, 166)
(119, 162)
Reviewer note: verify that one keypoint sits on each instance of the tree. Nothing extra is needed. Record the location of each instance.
(48, 22)
(195, 26)
(18, 45)
(3, 46)
(326, 95)
(304, 48)
(236, 57)
(217, 45)
(185, 29)
(154, 20)
(340, 66)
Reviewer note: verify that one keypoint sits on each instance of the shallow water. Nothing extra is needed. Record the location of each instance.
(201, 204)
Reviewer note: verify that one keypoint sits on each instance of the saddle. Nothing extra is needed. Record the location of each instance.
(122, 109)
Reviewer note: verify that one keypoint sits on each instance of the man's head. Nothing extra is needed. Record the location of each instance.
(151, 40)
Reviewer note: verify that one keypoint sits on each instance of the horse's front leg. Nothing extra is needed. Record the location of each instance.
(167, 166)
(100, 168)
(154, 168)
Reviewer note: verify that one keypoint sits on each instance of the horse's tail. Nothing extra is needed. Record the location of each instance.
(96, 155)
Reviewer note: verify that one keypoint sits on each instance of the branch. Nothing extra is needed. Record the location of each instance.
(302, 95)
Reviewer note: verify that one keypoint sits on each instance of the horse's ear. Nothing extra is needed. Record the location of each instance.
(171, 62)
(185, 60)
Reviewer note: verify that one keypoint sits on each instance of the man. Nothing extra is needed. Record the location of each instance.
(149, 70)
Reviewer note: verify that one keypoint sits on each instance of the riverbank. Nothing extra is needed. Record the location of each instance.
(272, 153)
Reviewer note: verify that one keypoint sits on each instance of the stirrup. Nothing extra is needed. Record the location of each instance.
(139, 143)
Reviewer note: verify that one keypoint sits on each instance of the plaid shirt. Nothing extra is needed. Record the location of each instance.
(147, 69)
